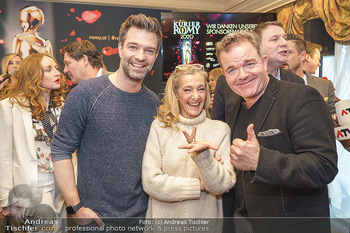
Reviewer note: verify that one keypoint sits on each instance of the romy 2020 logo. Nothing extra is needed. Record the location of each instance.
(186, 29)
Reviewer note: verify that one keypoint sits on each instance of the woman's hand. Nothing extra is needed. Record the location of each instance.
(2, 84)
(211, 100)
(192, 138)
(220, 160)
(196, 147)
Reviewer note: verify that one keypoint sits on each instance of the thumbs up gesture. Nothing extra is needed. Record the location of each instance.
(245, 154)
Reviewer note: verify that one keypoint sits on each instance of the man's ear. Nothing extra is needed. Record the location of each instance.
(223, 72)
(264, 61)
(307, 57)
(303, 55)
(85, 60)
(120, 49)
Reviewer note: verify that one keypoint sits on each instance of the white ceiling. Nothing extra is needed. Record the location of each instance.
(212, 6)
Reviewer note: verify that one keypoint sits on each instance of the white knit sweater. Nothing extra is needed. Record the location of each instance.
(172, 177)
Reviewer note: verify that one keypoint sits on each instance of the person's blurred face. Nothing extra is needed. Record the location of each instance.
(212, 83)
(313, 62)
(51, 75)
(274, 45)
(14, 64)
(191, 95)
(18, 209)
(245, 71)
(294, 58)
(74, 69)
(138, 53)
(15, 211)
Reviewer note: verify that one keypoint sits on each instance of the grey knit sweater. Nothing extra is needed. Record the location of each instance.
(110, 128)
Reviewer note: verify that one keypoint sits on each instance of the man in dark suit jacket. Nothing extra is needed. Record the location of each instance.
(283, 144)
(295, 63)
(274, 45)
(311, 63)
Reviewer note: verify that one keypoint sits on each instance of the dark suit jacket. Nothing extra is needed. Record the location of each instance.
(224, 97)
(297, 161)
(287, 75)
(325, 88)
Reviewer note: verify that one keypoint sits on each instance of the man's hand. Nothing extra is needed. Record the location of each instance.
(245, 154)
(335, 120)
(85, 216)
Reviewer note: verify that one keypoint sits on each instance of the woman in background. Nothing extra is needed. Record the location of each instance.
(9, 64)
(180, 171)
(212, 80)
(29, 112)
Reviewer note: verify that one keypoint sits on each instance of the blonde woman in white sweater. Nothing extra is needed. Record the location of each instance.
(181, 173)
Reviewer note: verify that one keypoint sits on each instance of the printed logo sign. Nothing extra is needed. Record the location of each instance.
(345, 111)
(186, 29)
(342, 133)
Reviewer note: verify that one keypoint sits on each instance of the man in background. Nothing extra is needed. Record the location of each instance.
(298, 59)
(274, 46)
(108, 120)
(312, 58)
(82, 61)
(295, 63)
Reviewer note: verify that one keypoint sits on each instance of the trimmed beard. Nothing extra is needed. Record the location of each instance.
(134, 78)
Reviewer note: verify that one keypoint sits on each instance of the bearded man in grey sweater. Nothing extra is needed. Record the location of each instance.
(108, 121)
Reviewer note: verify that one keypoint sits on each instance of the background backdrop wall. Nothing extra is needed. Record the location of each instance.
(191, 37)
(65, 23)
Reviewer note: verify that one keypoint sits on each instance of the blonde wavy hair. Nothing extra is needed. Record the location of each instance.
(25, 90)
(169, 111)
(6, 60)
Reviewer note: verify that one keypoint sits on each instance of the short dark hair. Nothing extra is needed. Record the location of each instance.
(78, 49)
(262, 26)
(300, 43)
(141, 21)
